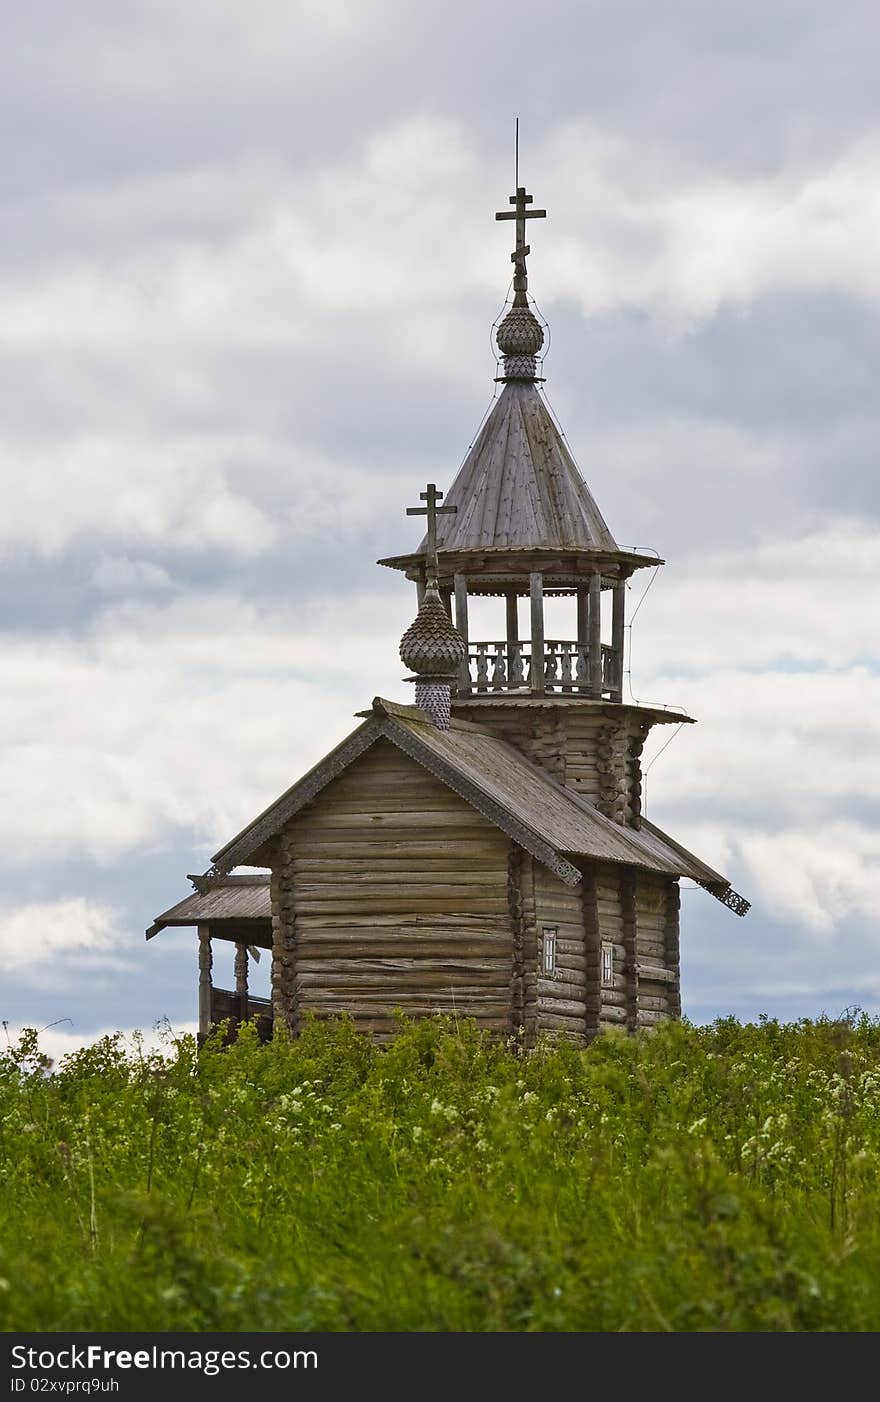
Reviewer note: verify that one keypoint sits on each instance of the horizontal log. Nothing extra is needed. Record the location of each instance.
(652, 973)
(403, 904)
(649, 950)
(381, 885)
(381, 845)
(652, 1002)
(410, 1007)
(553, 1021)
(418, 927)
(611, 1013)
(461, 819)
(420, 950)
(355, 1004)
(424, 962)
(476, 976)
(569, 920)
(651, 1019)
(560, 988)
(613, 998)
(439, 866)
(561, 1007)
(394, 800)
(571, 961)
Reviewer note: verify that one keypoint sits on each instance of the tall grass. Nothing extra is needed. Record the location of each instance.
(719, 1178)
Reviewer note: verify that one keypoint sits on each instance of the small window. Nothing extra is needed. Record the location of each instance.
(607, 965)
(550, 950)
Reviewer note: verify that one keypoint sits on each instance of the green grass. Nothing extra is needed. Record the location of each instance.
(721, 1178)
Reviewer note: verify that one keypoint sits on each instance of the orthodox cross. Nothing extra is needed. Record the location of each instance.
(521, 214)
(432, 510)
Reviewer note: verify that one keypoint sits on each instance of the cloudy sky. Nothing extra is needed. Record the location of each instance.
(248, 270)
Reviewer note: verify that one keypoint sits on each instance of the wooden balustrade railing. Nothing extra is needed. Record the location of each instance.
(506, 666)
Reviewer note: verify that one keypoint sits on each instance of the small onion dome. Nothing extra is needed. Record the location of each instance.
(520, 333)
(431, 645)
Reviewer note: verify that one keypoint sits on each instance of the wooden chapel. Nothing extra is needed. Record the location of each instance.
(482, 851)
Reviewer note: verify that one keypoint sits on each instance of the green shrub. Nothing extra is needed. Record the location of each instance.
(720, 1178)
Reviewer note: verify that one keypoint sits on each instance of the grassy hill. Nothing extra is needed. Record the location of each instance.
(697, 1178)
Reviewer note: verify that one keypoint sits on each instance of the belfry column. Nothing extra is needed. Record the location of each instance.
(618, 613)
(536, 590)
(461, 622)
(595, 650)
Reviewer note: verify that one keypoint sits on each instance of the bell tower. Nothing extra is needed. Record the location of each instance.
(522, 525)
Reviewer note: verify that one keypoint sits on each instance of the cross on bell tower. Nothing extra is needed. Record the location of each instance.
(432, 510)
(518, 258)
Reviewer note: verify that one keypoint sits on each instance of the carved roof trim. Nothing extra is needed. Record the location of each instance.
(273, 819)
(548, 820)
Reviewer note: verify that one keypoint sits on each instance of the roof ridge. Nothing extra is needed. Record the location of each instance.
(383, 707)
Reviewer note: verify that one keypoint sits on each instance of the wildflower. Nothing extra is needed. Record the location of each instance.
(417, 1132)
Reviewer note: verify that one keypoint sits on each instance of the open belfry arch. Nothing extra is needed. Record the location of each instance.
(481, 852)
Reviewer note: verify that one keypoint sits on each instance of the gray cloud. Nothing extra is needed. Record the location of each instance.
(248, 276)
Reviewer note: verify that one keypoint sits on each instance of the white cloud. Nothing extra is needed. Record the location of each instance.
(37, 939)
(179, 717)
(683, 241)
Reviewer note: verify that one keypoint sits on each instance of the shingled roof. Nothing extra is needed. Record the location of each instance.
(553, 823)
(232, 899)
(519, 487)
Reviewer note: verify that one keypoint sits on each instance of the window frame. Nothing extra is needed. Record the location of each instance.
(607, 969)
(549, 950)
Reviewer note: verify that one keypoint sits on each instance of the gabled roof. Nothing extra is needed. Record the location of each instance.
(548, 820)
(519, 488)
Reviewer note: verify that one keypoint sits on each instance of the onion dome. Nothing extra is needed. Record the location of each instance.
(520, 333)
(431, 645)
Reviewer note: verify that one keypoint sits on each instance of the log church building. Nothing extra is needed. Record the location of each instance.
(482, 851)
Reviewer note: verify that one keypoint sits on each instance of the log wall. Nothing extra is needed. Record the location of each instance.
(392, 892)
(656, 924)
(595, 750)
(562, 996)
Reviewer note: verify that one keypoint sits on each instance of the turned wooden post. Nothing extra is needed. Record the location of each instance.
(446, 596)
(536, 592)
(583, 635)
(241, 980)
(512, 630)
(461, 624)
(205, 963)
(512, 617)
(596, 634)
(583, 614)
(617, 624)
(420, 590)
